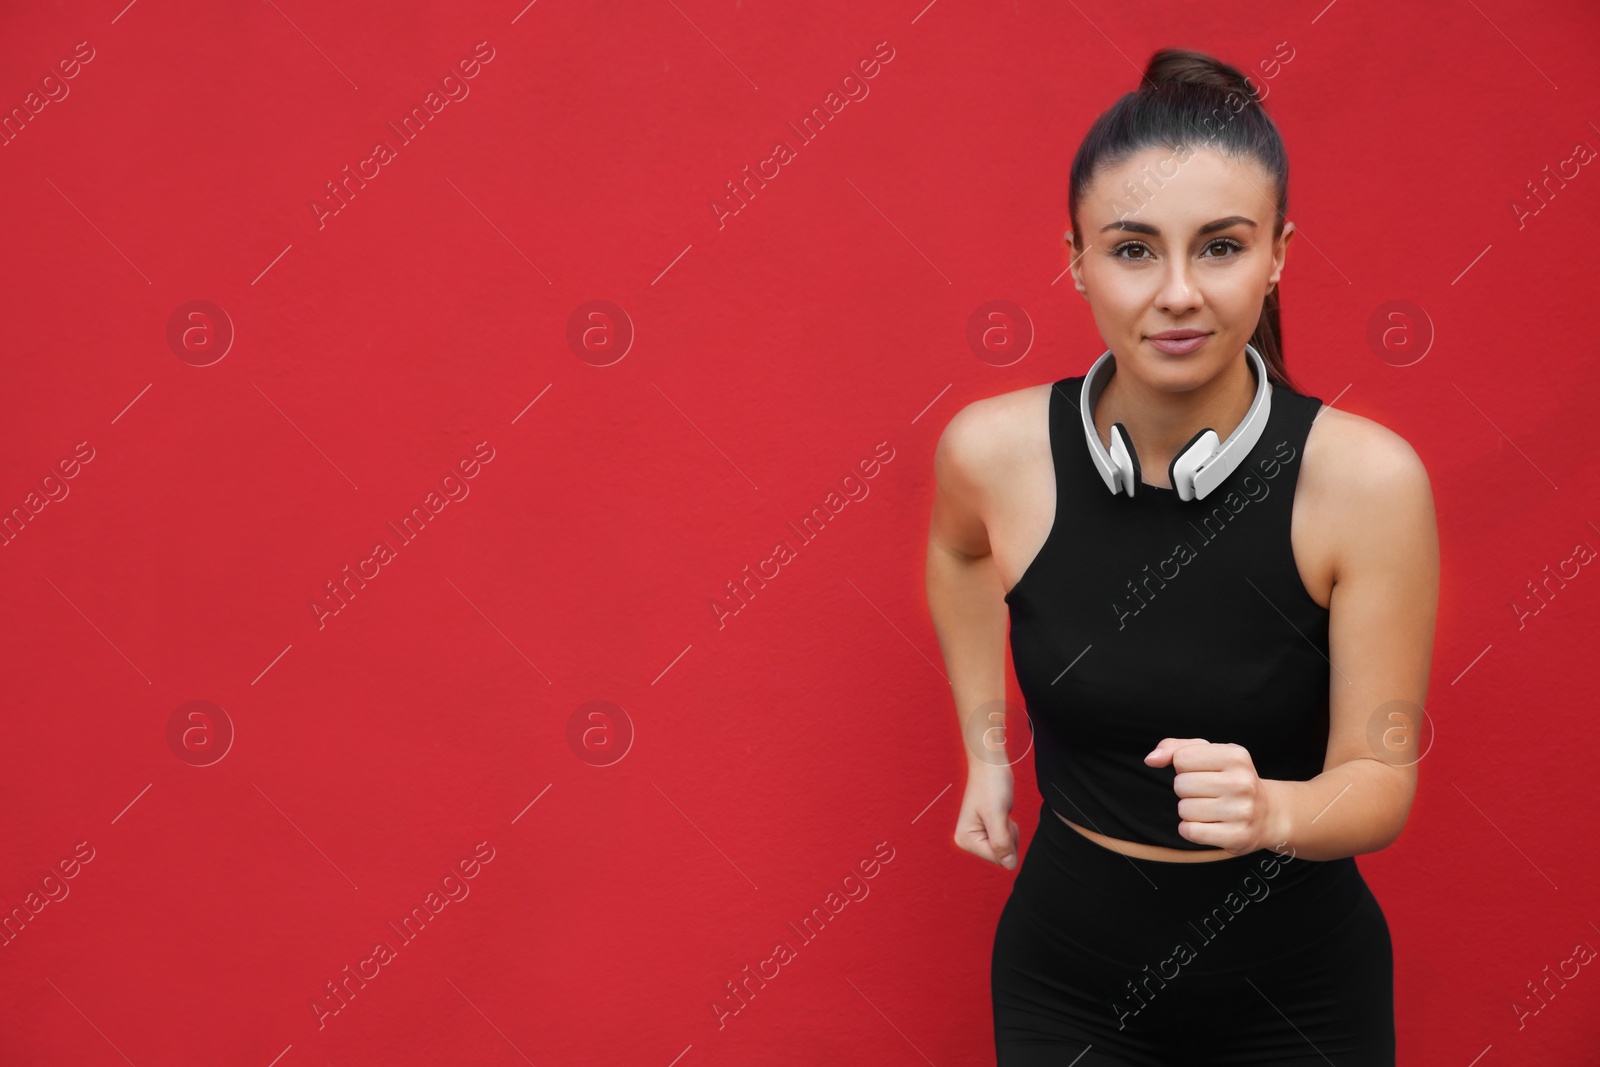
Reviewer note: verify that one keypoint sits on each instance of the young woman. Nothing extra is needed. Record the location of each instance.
(1221, 597)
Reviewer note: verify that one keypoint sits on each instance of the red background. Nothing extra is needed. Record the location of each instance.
(772, 753)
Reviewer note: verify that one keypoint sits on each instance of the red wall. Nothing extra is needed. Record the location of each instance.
(617, 864)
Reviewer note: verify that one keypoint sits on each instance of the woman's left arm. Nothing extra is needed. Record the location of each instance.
(1380, 636)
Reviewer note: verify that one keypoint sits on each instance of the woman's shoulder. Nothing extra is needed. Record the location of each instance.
(995, 425)
(1360, 468)
(993, 438)
(1344, 444)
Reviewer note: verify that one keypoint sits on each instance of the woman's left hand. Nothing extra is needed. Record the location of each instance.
(1224, 803)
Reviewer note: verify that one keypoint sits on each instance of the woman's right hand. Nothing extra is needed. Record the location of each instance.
(985, 827)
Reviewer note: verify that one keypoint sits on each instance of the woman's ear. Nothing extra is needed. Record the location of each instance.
(1279, 254)
(1077, 279)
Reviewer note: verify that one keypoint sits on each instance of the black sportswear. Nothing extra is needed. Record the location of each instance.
(1151, 616)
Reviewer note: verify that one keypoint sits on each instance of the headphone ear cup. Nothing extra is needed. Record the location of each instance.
(1125, 457)
(1197, 452)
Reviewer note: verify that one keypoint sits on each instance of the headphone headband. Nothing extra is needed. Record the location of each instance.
(1201, 465)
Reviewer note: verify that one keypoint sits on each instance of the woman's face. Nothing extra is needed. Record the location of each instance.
(1194, 249)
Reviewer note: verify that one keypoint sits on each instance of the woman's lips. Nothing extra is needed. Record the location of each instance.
(1179, 346)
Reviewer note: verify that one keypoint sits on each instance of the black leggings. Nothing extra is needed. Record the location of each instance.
(1106, 960)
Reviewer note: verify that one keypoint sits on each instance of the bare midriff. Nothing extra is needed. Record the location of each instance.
(1139, 850)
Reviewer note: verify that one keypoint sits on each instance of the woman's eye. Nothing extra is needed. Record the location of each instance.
(1228, 245)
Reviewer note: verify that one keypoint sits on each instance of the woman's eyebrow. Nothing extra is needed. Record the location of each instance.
(1130, 226)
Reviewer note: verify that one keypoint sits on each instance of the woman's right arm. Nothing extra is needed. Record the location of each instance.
(966, 601)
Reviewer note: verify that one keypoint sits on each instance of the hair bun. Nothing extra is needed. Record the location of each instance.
(1182, 67)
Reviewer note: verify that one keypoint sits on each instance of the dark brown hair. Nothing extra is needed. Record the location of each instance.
(1189, 99)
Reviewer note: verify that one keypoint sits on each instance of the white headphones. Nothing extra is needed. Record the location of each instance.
(1200, 465)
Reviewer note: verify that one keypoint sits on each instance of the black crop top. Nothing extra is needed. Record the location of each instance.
(1152, 616)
